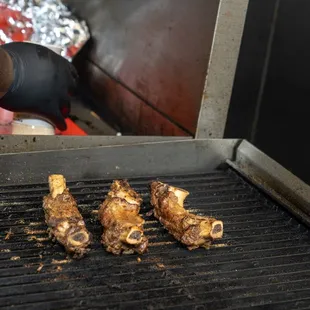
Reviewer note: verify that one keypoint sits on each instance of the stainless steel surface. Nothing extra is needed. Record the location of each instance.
(129, 158)
(125, 161)
(222, 67)
(19, 144)
(159, 50)
(274, 179)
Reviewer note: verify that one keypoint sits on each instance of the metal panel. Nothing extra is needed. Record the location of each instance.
(158, 49)
(18, 144)
(222, 67)
(274, 179)
(161, 158)
(129, 111)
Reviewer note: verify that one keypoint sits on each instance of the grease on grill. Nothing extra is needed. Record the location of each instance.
(262, 259)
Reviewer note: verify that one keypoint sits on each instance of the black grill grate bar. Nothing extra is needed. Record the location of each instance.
(149, 224)
(176, 264)
(228, 220)
(229, 227)
(160, 233)
(284, 304)
(27, 253)
(230, 240)
(209, 288)
(251, 273)
(170, 296)
(297, 276)
(156, 239)
(216, 200)
(198, 265)
(208, 207)
(220, 247)
(100, 195)
(35, 251)
(95, 188)
(263, 251)
(216, 175)
(198, 207)
(244, 208)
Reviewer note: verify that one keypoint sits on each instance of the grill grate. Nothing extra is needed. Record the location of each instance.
(263, 259)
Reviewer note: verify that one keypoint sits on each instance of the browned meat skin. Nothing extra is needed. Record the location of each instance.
(63, 218)
(122, 225)
(192, 230)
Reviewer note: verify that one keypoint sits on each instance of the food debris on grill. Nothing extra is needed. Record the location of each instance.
(5, 251)
(40, 267)
(122, 224)
(33, 232)
(63, 261)
(15, 258)
(35, 224)
(21, 221)
(58, 268)
(63, 218)
(192, 230)
(160, 265)
(9, 235)
(38, 239)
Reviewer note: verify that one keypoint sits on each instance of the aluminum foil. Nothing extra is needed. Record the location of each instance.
(46, 22)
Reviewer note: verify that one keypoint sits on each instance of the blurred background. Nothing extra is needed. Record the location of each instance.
(143, 66)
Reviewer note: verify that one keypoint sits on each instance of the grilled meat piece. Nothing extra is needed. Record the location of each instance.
(192, 230)
(63, 218)
(122, 224)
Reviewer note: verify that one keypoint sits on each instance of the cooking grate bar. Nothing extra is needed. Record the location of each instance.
(263, 258)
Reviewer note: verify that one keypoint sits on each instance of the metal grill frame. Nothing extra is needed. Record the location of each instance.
(226, 276)
(129, 160)
(156, 159)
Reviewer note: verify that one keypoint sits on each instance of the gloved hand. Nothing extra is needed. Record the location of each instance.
(43, 82)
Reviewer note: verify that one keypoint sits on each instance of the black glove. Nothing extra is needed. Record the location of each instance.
(43, 82)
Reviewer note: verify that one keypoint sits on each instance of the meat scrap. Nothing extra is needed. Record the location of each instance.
(63, 218)
(192, 230)
(122, 224)
(9, 235)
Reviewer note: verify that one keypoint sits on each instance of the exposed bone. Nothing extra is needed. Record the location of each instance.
(122, 224)
(65, 222)
(57, 184)
(192, 230)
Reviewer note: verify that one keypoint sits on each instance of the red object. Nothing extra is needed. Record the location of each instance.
(24, 33)
(11, 31)
(72, 129)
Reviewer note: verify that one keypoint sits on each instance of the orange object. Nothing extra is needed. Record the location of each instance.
(72, 129)
(11, 31)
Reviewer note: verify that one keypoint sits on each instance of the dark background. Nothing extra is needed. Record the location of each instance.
(270, 100)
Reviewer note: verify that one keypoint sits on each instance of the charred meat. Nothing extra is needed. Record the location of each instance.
(63, 218)
(122, 224)
(192, 230)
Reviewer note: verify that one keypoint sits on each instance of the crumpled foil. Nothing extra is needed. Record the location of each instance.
(46, 22)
